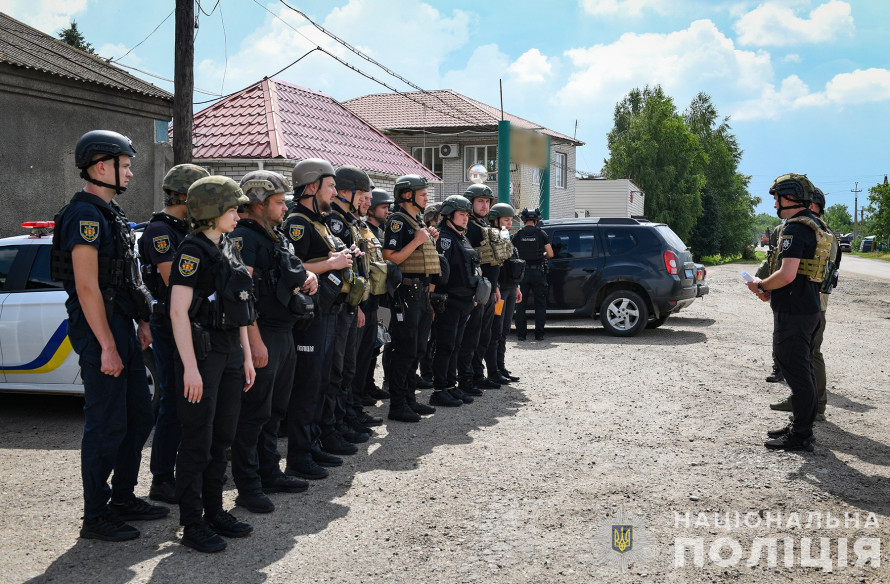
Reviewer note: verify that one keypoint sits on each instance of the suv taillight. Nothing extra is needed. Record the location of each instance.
(670, 262)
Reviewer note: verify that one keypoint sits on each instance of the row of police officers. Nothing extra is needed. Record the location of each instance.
(263, 319)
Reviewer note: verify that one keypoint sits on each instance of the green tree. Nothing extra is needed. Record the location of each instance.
(651, 145)
(726, 225)
(764, 222)
(72, 36)
(878, 218)
(838, 218)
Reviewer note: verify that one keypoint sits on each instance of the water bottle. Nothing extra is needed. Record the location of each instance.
(505, 233)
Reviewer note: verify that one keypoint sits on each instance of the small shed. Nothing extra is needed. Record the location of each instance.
(598, 197)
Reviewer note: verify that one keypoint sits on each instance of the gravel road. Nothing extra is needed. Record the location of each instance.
(659, 432)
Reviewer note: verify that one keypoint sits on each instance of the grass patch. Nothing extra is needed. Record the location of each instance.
(719, 260)
(875, 255)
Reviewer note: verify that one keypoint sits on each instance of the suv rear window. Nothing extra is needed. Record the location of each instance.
(670, 237)
(7, 256)
(620, 240)
(572, 244)
(39, 278)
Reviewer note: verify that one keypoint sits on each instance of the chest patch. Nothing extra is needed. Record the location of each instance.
(786, 241)
(296, 232)
(446, 243)
(337, 226)
(237, 242)
(161, 243)
(188, 265)
(89, 230)
(396, 226)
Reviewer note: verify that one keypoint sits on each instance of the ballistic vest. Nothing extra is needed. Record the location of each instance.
(825, 256)
(424, 259)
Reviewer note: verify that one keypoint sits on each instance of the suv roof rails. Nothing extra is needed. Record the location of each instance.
(600, 220)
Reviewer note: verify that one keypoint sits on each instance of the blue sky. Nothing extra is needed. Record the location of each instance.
(806, 83)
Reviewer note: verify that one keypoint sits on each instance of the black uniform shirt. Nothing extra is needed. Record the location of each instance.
(192, 267)
(476, 236)
(530, 238)
(84, 224)
(158, 244)
(308, 243)
(456, 248)
(258, 252)
(398, 234)
(800, 296)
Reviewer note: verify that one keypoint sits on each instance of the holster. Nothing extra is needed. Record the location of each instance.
(439, 300)
(200, 341)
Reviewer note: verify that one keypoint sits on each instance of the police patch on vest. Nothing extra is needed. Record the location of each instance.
(446, 243)
(188, 265)
(296, 232)
(337, 281)
(161, 243)
(786, 241)
(337, 226)
(89, 230)
(396, 226)
(237, 242)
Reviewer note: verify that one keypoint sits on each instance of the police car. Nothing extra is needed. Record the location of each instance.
(35, 353)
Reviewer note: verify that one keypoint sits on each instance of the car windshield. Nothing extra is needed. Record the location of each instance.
(670, 237)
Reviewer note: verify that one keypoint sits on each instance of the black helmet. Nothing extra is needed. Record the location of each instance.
(410, 183)
(352, 178)
(474, 191)
(101, 142)
(112, 144)
(381, 197)
(455, 203)
(178, 180)
(819, 199)
(530, 214)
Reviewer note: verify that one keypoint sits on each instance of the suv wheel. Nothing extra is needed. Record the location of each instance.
(657, 322)
(151, 372)
(623, 313)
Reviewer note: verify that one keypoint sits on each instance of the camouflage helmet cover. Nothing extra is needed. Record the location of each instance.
(259, 185)
(179, 178)
(793, 186)
(432, 212)
(455, 203)
(501, 210)
(476, 191)
(210, 197)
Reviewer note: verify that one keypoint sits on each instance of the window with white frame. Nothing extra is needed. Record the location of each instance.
(484, 155)
(562, 170)
(536, 176)
(429, 157)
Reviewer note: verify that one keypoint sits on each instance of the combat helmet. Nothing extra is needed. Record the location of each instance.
(476, 191)
(178, 180)
(794, 186)
(310, 171)
(530, 214)
(500, 211)
(210, 197)
(259, 185)
(112, 144)
(819, 199)
(381, 197)
(455, 203)
(410, 183)
(353, 179)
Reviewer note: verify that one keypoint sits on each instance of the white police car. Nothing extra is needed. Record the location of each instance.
(35, 353)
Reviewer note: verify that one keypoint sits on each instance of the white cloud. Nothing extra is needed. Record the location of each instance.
(792, 58)
(775, 25)
(685, 62)
(859, 86)
(531, 67)
(622, 7)
(49, 16)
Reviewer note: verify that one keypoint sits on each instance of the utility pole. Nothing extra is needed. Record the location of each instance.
(183, 81)
(856, 190)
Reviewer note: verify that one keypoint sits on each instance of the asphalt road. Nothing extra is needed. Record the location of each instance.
(865, 266)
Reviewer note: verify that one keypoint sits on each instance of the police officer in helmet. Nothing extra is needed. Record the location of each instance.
(162, 236)
(281, 285)
(93, 257)
(376, 221)
(501, 218)
(534, 247)
(793, 293)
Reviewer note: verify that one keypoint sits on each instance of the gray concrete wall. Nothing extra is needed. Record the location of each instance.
(42, 119)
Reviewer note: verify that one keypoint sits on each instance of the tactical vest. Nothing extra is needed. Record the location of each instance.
(528, 247)
(233, 305)
(333, 242)
(376, 268)
(115, 274)
(492, 250)
(424, 259)
(824, 258)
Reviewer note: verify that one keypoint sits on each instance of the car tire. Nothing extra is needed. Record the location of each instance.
(151, 372)
(623, 313)
(657, 322)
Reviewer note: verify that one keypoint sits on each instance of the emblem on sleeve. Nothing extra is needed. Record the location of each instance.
(296, 232)
(238, 242)
(392, 241)
(161, 243)
(396, 226)
(446, 243)
(188, 265)
(786, 241)
(89, 230)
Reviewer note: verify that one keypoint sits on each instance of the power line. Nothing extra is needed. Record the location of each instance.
(204, 91)
(201, 8)
(113, 59)
(225, 45)
(268, 77)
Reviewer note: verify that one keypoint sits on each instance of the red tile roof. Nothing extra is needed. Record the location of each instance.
(442, 109)
(276, 119)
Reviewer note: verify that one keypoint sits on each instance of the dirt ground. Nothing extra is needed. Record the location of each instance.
(659, 432)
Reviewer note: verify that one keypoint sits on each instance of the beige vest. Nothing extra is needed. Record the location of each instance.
(424, 259)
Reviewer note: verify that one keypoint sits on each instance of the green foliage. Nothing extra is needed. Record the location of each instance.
(72, 36)
(878, 220)
(687, 166)
(764, 222)
(838, 218)
(651, 145)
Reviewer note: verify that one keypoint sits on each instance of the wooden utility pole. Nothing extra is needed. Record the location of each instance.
(183, 81)
(856, 190)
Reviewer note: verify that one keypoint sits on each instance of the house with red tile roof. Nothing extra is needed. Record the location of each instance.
(50, 95)
(450, 133)
(273, 124)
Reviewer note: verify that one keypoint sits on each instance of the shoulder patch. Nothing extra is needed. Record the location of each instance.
(237, 242)
(188, 265)
(446, 243)
(786, 241)
(392, 241)
(396, 226)
(296, 231)
(89, 230)
(161, 243)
